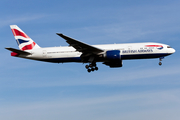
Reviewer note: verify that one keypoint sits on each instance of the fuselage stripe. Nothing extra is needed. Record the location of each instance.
(154, 46)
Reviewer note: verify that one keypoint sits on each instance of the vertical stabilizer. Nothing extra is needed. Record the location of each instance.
(24, 42)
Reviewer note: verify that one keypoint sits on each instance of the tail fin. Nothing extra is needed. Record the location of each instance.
(24, 41)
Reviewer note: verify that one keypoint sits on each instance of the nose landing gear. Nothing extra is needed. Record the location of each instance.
(91, 67)
(160, 63)
(160, 59)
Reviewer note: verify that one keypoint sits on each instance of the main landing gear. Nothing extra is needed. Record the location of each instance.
(91, 67)
(160, 59)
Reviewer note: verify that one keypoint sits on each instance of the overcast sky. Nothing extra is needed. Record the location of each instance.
(140, 90)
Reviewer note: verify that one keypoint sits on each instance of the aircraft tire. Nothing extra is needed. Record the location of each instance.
(87, 66)
(89, 70)
(96, 68)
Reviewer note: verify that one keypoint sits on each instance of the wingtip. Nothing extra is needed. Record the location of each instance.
(59, 33)
(7, 48)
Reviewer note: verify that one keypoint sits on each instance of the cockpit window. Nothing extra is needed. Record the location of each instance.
(168, 47)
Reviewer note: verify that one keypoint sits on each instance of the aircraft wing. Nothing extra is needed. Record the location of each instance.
(80, 46)
(18, 51)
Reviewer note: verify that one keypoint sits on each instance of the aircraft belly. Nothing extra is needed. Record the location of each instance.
(64, 57)
(56, 57)
(143, 56)
(62, 60)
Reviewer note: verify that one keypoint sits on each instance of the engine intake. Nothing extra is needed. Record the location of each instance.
(113, 55)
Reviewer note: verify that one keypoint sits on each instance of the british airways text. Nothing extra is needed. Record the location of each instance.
(137, 51)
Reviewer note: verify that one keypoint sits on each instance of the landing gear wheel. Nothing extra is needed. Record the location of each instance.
(160, 59)
(89, 70)
(96, 68)
(87, 66)
(91, 67)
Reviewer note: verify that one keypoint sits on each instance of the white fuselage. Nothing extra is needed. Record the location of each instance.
(127, 51)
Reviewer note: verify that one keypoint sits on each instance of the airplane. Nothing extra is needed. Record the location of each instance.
(111, 55)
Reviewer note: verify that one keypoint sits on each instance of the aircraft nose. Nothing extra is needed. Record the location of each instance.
(172, 50)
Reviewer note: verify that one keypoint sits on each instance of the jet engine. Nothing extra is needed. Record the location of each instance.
(113, 58)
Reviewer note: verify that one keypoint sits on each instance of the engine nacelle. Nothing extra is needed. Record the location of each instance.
(113, 58)
(113, 55)
(112, 64)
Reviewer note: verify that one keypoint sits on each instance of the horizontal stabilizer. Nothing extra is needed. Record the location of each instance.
(18, 51)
